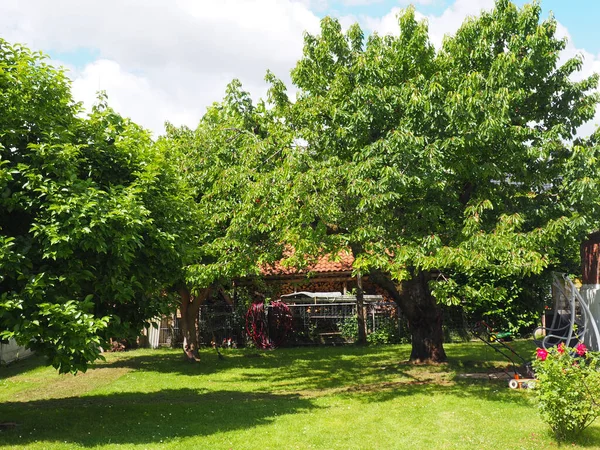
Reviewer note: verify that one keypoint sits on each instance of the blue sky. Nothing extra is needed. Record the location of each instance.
(164, 60)
(581, 17)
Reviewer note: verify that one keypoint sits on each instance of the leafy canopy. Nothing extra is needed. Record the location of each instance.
(94, 222)
(461, 160)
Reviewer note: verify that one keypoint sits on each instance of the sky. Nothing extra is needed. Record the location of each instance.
(162, 60)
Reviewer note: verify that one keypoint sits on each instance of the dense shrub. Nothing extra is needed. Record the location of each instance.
(386, 332)
(568, 388)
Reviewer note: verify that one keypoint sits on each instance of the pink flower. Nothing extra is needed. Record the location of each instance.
(581, 349)
(542, 354)
(561, 348)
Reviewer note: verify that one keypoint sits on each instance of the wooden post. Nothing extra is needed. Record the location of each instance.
(590, 259)
(360, 311)
(590, 289)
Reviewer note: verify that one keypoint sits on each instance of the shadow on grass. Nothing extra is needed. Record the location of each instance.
(478, 350)
(488, 391)
(322, 369)
(347, 361)
(170, 361)
(21, 366)
(142, 418)
(375, 370)
(590, 438)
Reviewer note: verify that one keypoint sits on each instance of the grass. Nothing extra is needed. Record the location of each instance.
(301, 398)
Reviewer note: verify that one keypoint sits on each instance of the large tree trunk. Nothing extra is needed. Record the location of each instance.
(190, 305)
(424, 316)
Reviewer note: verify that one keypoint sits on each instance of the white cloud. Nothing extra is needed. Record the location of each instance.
(359, 2)
(591, 65)
(316, 5)
(453, 17)
(371, 2)
(347, 21)
(168, 60)
(439, 26)
(387, 24)
(161, 59)
(132, 95)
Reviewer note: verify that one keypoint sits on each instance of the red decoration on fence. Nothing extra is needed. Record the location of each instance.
(268, 329)
(256, 325)
(280, 322)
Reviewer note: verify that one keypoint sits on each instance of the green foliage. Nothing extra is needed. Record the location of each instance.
(508, 303)
(454, 160)
(93, 223)
(461, 161)
(349, 328)
(313, 333)
(387, 332)
(568, 389)
(228, 162)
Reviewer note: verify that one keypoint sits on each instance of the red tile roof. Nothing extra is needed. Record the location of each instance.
(325, 264)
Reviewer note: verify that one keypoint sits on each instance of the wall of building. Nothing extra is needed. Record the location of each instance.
(10, 351)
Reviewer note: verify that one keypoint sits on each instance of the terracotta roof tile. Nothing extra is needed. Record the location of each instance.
(325, 264)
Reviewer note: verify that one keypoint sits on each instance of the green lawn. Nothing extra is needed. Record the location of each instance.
(327, 398)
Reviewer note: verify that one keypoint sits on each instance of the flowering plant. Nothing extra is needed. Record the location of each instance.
(567, 388)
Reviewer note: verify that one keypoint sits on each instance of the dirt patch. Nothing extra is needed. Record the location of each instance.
(485, 376)
(437, 379)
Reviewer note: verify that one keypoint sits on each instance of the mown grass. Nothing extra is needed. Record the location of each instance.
(324, 398)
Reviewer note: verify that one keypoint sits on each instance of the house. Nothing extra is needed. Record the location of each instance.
(327, 274)
(328, 284)
(322, 302)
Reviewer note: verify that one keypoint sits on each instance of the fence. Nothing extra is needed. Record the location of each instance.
(313, 324)
(220, 324)
(336, 323)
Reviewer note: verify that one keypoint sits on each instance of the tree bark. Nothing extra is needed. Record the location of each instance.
(190, 305)
(424, 316)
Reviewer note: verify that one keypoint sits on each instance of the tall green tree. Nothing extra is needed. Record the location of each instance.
(226, 162)
(94, 222)
(436, 166)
